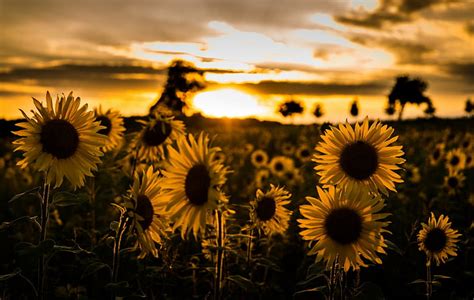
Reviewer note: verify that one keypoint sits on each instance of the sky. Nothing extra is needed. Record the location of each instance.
(256, 54)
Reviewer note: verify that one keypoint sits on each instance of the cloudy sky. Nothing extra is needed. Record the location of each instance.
(115, 52)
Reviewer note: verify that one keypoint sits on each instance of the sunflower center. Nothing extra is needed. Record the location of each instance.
(359, 160)
(156, 135)
(435, 240)
(304, 153)
(104, 121)
(279, 166)
(343, 225)
(436, 154)
(453, 182)
(266, 208)
(259, 158)
(145, 210)
(409, 173)
(197, 185)
(454, 161)
(59, 138)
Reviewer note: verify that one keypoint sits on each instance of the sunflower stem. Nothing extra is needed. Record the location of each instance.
(218, 279)
(44, 224)
(429, 282)
(135, 162)
(93, 212)
(117, 244)
(249, 249)
(333, 280)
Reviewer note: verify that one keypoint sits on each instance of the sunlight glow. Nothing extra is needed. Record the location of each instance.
(227, 103)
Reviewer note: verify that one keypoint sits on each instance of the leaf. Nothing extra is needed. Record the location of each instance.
(93, 268)
(10, 275)
(441, 277)
(318, 289)
(418, 281)
(267, 263)
(46, 246)
(29, 192)
(7, 225)
(242, 282)
(310, 279)
(63, 199)
(393, 247)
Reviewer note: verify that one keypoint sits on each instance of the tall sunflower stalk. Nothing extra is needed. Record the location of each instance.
(220, 242)
(120, 231)
(44, 217)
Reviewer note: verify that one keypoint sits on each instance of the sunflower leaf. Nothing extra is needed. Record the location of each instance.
(33, 191)
(94, 268)
(63, 199)
(242, 282)
(10, 275)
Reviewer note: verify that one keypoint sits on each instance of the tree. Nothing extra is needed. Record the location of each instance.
(407, 90)
(354, 108)
(469, 106)
(290, 107)
(318, 111)
(390, 110)
(183, 78)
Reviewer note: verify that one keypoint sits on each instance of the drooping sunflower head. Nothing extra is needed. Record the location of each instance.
(437, 239)
(454, 181)
(456, 160)
(344, 225)
(268, 212)
(192, 183)
(61, 139)
(113, 127)
(148, 213)
(259, 158)
(158, 132)
(360, 157)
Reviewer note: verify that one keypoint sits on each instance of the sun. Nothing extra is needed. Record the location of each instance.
(227, 102)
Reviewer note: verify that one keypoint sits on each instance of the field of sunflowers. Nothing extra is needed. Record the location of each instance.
(96, 206)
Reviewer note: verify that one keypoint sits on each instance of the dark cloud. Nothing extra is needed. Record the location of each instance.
(464, 71)
(314, 88)
(470, 27)
(389, 12)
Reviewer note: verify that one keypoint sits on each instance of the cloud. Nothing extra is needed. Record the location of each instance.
(465, 71)
(389, 12)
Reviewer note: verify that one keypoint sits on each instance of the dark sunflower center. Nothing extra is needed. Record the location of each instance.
(359, 160)
(343, 225)
(289, 175)
(104, 121)
(156, 135)
(145, 210)
(197, 185)
(266, 208)
(468, 160)
(304, 153)
(279, 166)
(436, 154)
(435, 240)
(453, 182)
(59, 138)
(409, 173)
(454, 161)
(259, 158)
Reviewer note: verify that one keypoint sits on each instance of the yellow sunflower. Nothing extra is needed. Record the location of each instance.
(359, 158)
(287, 149)
(148, 214)
(192, 183)
(160, 130)
(61, 139)
(412, 173)
(261, 177)
(454, 181)
(437, 239)
(456, 160)
(344, 226)
(279, 165)
(268, 212)
(437, 154)
(259, 158)
(114, 129)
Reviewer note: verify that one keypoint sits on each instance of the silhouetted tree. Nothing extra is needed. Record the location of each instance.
(183, 78)
(390, 110)
(318, 110)
(407, 90)
(430, 110)
(469, 108)
(354, 108)
(290, 107)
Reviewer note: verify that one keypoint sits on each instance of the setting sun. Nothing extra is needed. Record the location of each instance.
(227, 103)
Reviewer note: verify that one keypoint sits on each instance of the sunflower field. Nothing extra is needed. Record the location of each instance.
(98, 206)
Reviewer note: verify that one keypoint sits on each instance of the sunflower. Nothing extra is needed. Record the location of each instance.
(268, 212)
(192, 183)
(455, 159)
(279, 165)
(114, 129)
(344, 225)
(148, 214)
(454, 181)
(219, 157)
(359, 158)
(437, 154)
(160, 130)
(412, 174)
(303, 153)
(261, 177)
(287, 149)
(437, 239)
(61, 139)
(259, 158)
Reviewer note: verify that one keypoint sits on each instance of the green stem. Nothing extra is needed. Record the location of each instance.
(429, 282)
(117, 243)
(249, 249)
(44, 224)
(220, 255)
